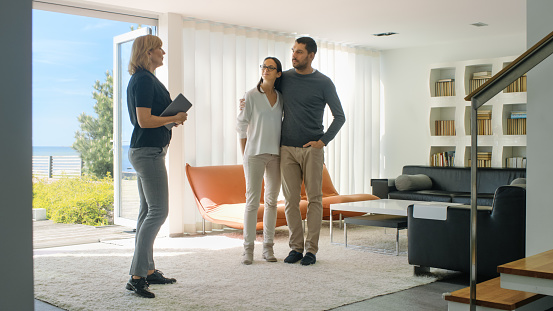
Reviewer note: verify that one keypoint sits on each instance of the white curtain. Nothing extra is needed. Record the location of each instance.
(221, 62)
(352, 157)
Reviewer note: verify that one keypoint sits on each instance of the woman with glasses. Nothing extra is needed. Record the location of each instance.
(147, 98)
(258, 125)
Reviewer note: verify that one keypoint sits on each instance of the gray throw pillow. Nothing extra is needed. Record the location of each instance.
(518, 181)
(413, 182)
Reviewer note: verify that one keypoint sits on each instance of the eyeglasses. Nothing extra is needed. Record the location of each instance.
(268, 68)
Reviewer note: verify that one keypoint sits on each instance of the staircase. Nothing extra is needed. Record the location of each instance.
(525, 284)
(524, 63)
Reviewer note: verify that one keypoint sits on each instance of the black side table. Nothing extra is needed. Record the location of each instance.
(377, 220)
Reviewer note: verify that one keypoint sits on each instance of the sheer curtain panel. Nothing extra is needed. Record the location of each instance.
(221, 62)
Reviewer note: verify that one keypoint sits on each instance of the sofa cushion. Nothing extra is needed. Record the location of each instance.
(422, 195)
(518, 181)
(413, 182)
(485, 199)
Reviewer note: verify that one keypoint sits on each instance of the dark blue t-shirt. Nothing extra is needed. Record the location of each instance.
(145, 90)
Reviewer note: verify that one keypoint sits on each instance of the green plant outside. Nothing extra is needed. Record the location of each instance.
(84, 200)
(94, 139)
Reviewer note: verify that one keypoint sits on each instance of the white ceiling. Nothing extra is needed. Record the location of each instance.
(418, 22)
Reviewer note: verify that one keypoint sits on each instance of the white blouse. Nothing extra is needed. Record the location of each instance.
(260, 123)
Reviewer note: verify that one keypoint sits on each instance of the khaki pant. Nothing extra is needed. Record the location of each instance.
(297, 165)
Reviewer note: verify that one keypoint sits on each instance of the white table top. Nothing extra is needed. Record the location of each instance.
(384, 206)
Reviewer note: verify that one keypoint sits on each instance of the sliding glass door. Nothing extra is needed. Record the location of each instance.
(126, 189)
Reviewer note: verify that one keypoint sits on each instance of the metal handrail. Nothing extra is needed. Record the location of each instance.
(497, 83)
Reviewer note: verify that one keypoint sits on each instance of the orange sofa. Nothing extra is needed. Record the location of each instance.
(220, 193)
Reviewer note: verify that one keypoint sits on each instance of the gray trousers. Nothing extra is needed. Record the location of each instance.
(153, 189)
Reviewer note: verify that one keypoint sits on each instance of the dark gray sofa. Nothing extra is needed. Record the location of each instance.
(446, 243)
(449, 184)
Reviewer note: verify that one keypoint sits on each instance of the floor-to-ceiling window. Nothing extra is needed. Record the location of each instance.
(74, 56)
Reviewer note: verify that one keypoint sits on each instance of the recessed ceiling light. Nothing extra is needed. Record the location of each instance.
(385, 34)
(479, 24)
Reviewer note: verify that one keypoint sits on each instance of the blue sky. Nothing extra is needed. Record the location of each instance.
(69, 54)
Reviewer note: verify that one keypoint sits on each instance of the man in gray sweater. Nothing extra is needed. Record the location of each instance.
(306, 92)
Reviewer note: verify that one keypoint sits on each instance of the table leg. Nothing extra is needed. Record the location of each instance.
(397, 242)
(345, 234)
(331, 226)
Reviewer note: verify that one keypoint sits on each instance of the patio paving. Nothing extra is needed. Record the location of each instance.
(47, 233)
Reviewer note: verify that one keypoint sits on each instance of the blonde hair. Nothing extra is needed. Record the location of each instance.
(139, 53)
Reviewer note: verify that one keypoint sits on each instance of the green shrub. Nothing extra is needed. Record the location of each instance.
(84, 200)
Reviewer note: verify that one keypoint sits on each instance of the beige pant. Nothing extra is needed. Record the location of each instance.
(256, 169)
(305, 165)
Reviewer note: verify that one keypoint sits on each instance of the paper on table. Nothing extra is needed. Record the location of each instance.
(180, 104)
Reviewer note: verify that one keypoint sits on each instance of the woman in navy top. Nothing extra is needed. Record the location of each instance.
(147, 98)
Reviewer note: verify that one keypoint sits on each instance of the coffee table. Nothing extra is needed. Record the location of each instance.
(384, 207)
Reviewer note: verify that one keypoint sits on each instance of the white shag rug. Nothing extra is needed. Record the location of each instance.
(210, 276)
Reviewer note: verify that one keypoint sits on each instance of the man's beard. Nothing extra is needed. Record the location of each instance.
(301, 66)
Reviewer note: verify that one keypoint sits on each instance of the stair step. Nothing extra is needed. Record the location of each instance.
(537, 266)
(489, 294)
(532, 274)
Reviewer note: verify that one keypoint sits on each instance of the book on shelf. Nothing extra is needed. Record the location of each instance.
(518, 86)
(518, 114)
(477, 82)
(484, 122)
(483, 117)
(516, 126)
(479, 74)
(484, 127)
(445, 87)
(446, 158)
(444, 127)
(483, 159)
(515, 162)
(482, 163)
(484, 155)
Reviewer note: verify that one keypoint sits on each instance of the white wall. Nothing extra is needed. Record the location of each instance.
(539, 231)
(16, 259)
(405, 136)
(172, 75)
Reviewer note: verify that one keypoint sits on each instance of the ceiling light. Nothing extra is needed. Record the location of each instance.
(479, 24)
(385, 34)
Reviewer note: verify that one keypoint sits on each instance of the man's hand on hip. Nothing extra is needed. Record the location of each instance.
(315, 144)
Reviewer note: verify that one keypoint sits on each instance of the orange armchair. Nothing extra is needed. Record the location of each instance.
(220, 193)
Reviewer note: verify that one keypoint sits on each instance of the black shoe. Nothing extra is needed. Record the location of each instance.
(293, 257)
(140, 286)
(158, 278)
(309, 259)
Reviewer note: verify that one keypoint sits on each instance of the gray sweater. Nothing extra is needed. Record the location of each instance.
(305, 98)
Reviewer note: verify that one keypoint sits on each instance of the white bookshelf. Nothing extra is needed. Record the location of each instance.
(455, 107)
